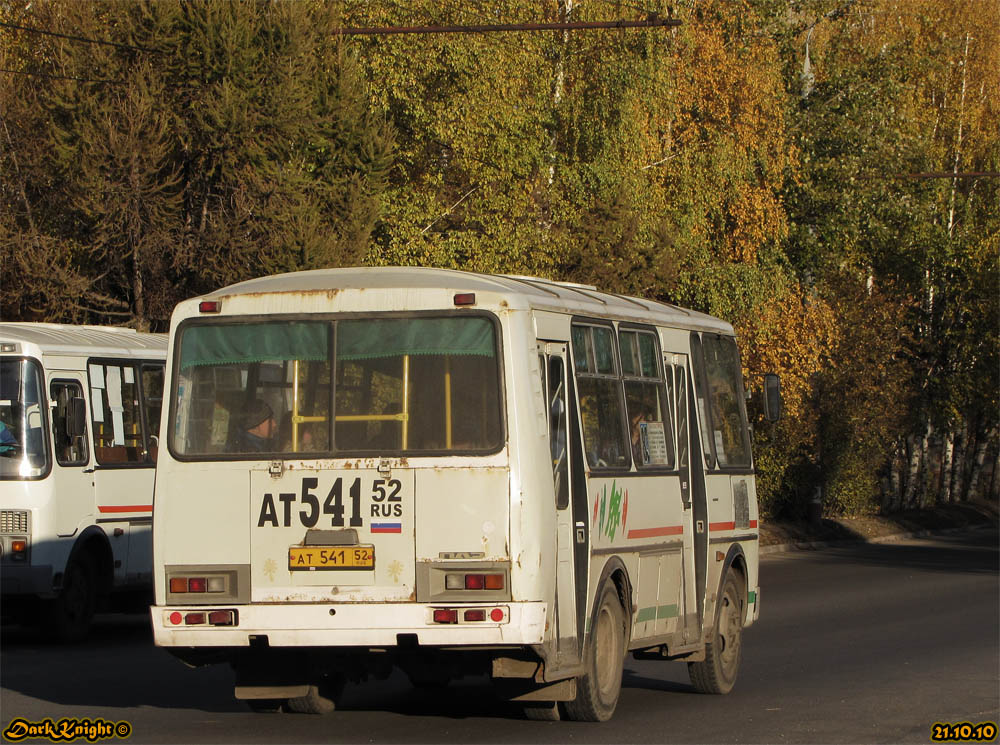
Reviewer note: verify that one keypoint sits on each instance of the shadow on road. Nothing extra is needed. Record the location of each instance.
(972, 552)
(117, 666)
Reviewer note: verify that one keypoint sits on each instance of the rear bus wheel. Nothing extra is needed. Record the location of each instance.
(717, 673)
(597, 690)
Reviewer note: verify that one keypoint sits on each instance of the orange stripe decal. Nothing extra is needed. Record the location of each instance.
(655, 532)
(721, 526)
(753, 523)
(106, 508)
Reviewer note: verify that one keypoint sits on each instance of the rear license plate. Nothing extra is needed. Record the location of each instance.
(311, 558)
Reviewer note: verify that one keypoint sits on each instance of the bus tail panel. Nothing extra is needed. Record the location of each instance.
(332, 534)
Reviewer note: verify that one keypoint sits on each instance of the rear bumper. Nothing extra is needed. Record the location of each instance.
(348, 625)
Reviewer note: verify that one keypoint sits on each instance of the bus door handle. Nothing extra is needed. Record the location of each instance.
(581, 532)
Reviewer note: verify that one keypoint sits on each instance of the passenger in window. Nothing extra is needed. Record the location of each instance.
(8, 443)
(259, 427)
(640, 449)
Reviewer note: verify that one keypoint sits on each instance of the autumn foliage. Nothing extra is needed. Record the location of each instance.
(821, 173)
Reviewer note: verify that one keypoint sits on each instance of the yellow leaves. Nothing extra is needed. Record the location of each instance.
(792, 336)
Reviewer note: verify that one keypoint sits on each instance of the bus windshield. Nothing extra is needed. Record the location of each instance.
(378, 385)
(23, 451)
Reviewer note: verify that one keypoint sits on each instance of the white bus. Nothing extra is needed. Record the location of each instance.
(79, 426)
(452, 473)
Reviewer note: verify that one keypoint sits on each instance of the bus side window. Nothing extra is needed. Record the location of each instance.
(557, 430)
(602, 410)
(71, 450)
(725, 390)
(115, 414)
(701, 400)
(152, 401)
(650, 424)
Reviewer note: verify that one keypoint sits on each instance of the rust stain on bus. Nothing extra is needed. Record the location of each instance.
(330, 293)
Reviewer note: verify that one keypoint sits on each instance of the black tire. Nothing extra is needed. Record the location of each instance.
(598, 688)
(321, 699)
(717, 673)
(543, 711)
(69, 617)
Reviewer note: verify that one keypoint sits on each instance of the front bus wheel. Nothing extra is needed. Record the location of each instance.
(598, 688)
(717, 673)
(69, 616)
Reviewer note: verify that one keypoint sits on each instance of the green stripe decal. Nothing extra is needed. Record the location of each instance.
(646, 614)
(752, 597)
(653, 612)
(667, 611)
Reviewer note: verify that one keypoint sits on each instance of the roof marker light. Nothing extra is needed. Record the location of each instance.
(465, 298)
(209, 306)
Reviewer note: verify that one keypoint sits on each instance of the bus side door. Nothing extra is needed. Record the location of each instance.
(73, 481)
(693, 498)
(552, 356)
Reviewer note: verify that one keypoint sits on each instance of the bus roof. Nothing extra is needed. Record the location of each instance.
(95, 341)
(535, 293)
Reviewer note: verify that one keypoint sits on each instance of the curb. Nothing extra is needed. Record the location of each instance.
(781, 548)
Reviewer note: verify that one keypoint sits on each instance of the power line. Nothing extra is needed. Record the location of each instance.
(934, 174)
(653, 21)
(70, 37)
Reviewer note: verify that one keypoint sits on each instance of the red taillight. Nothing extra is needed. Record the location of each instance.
(176, 618)
(445, 615)
(178, 584)
(209, 306)
(494, 581)
(221, 618)
(475, 581)
(496, 615)
(475, 615)
(465, 298)
(193, 619)
(197, 584)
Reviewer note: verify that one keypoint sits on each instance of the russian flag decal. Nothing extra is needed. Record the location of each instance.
(387, 527)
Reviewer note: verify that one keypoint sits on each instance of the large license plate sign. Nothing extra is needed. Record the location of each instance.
(312, 558)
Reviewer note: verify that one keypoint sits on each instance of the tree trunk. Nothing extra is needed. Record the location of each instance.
(912, 472)
(995, 476)
(947, 460)
(958, 468)
(978, 461)
(893, 496)
(923, 485)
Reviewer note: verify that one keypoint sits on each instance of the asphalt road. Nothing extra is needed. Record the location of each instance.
(855, 644)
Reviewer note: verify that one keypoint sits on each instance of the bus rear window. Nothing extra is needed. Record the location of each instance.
(390, 385)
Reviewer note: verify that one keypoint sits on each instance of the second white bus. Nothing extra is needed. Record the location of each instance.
(79, 426)
(452, 473)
